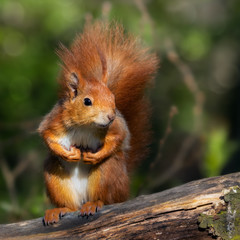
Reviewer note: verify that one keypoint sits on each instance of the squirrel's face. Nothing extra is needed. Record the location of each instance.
(91, 103)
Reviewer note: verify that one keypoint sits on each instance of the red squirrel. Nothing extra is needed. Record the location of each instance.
(99, 128)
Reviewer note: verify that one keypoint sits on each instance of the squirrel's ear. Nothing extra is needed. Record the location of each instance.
(74, 80)
(104, 65)
(73, 84)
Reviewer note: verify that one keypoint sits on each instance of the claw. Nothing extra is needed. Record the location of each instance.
(90, 208)
(52, 216)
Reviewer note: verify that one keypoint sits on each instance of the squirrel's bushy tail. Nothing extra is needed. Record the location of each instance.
(128, 67)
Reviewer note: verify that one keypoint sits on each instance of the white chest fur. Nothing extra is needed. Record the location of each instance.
(78, 181)
(84, 137)
(79, 172)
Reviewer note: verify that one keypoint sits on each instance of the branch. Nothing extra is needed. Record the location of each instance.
(157, 159)
(177, 164)
(10, 176)
(10, 183)
(171, 214)
(189, 81)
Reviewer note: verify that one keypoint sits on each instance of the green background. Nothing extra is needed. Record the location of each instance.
(198, 44)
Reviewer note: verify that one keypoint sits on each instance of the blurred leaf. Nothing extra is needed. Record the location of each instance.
(195, 44)
(218, 151)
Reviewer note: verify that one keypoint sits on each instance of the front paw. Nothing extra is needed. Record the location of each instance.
(74, 155)
(90, 158)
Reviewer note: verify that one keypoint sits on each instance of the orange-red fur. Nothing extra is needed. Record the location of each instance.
(112, 69)
(130, 70)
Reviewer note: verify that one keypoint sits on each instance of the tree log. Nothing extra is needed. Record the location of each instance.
(171, 214)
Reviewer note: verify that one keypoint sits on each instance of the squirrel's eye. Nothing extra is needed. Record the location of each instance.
(87, 102)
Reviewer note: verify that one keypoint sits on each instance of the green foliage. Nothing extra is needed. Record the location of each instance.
(195, 45)
(218, 151)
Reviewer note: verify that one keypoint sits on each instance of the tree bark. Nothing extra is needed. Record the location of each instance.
(171, 214)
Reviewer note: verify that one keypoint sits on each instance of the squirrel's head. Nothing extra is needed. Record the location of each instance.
(89, 102)
(87, 99)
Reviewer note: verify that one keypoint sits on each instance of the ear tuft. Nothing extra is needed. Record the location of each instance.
(74, 79)
(73, 84)
(104, 65)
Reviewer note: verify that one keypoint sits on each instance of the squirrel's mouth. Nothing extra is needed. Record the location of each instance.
(104, 125)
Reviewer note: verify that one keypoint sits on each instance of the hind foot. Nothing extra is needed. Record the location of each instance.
(89, 208)
(53, 215)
